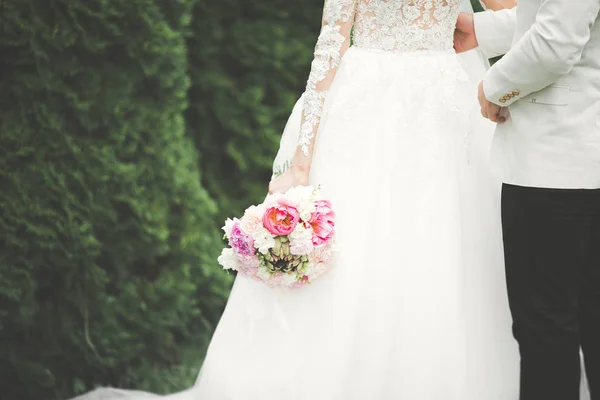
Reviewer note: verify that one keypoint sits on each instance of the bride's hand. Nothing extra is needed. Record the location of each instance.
(292, 177)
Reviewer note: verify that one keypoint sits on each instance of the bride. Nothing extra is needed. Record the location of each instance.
(415, 305)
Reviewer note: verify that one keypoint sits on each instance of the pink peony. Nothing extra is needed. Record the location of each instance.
(242, 244)
(281, 219)
(322, 222)
(251, 223)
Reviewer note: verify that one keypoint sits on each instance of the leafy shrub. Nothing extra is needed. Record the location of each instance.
(249, 62)
(107, 236)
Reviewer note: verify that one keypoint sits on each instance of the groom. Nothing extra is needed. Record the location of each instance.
(545, 96)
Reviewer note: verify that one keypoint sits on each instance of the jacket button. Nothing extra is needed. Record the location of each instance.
(516, 92)
(502, 100)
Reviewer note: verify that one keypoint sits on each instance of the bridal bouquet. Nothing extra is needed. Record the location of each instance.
(286, 241)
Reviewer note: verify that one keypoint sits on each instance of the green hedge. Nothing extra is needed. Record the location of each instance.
(249, 62)
(107, 236)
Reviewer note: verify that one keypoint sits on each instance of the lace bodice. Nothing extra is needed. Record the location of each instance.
(406, 25)
(388, 25)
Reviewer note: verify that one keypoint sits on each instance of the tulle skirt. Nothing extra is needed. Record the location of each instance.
(415, 305)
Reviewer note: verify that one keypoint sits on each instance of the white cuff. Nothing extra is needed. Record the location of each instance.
(497, 94)
(495, 31)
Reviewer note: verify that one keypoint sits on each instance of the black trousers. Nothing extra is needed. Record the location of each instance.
(552, 254)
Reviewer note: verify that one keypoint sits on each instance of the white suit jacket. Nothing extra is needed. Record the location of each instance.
(549, 82)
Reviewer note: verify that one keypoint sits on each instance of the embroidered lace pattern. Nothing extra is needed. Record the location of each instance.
(338, 17)
(387, 25)
(406, 25)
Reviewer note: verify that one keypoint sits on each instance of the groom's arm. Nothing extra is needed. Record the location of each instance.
(495, 31)
(549, 50)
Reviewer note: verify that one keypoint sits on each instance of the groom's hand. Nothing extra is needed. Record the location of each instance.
(464, 34)
(489, 110)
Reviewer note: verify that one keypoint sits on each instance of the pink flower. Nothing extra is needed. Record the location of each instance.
(243, 244)
(322, 222)
(251, 223)
(281, 219)
(248, 264)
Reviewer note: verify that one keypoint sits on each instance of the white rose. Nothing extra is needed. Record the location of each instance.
(229, 226)
(294, 194)
(306, 208)
(263, 241)
(303, 198)
(272, 200)
(251, 225)
(255, 211)
(307, 192)
(305, 215)
(228, 259)
(301, 241)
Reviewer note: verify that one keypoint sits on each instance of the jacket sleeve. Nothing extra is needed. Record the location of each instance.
(549, 50)
(495, 31)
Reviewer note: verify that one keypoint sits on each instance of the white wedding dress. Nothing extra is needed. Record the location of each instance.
(415, 306)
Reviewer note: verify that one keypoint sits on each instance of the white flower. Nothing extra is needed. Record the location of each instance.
(306, 207)
(299, 194)
(228, 259)
(251, 223)
(289, 278)
(301, 241)
(263, 273)
(271, 200)
(305, 215)
(255, 211)
(303, 197)
(229, 226)
(263, 241)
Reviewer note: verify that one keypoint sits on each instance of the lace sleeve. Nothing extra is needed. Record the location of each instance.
(334, 40)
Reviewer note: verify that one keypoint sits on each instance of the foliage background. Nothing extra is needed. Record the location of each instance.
(128, 131)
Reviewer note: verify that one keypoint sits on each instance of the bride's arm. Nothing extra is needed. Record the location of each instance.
(497, 4)
(333, 41)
